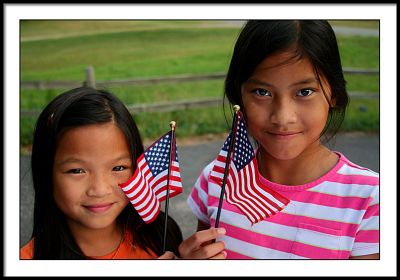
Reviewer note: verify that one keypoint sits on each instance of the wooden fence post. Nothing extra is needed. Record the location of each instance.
(90, 81)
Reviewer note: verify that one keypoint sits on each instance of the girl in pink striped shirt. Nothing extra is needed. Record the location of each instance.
(287, 78)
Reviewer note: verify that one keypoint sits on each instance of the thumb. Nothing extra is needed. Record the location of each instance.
(168, 256)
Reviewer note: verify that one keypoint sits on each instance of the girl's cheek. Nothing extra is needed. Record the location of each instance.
(122, 177)
(119, 191)
(125, 198)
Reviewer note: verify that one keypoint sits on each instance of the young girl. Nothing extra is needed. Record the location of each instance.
(287, 78)
(85, 144)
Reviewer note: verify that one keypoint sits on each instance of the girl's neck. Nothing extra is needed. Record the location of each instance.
(98, 242)
(301, 170)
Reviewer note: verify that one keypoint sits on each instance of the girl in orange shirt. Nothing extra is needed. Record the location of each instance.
(85, 144)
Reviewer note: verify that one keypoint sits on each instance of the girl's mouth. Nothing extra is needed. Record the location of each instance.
(98, 208)
(284, 135)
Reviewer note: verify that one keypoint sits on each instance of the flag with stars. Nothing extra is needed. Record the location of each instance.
(147, 188)
(243, 186)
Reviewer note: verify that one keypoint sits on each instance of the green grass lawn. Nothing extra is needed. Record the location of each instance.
(129, 54)
(140, 49)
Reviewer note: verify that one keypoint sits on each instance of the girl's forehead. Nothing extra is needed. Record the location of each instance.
(93, 137)
(284, 67)
(287, 68)
(284, 58)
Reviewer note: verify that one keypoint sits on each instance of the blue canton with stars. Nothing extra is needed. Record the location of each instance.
(157, 156)
(243, 151)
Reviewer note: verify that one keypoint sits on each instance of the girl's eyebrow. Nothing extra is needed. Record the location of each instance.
(302, 82)
(124, 157)
(258, 82)
(77, 160)
(305, 81)
(69, 160)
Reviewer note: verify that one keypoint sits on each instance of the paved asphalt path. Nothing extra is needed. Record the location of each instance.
(360, 148)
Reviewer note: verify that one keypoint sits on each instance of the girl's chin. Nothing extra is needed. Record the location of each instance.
(281, 155)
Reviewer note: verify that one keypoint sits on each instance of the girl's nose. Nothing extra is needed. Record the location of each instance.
(283, 112)
(99, 185)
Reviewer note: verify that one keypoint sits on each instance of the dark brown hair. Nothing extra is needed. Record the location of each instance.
(77, 107)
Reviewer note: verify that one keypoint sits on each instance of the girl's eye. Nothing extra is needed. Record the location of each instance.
(76, 171)
(119, 168)
(305, 92)
(262, 92)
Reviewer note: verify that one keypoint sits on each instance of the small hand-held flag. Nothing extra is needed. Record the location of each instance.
(236, 168)
(172, 150)
(156, 178)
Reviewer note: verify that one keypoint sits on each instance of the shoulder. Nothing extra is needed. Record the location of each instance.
(357, 180)
(202, 186)
(204, 177)
(207, 169)
(347, 167)
(26, 252)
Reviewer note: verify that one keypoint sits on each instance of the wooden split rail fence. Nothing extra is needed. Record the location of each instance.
(164, 106)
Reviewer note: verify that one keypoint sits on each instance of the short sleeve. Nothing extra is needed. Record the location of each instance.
(367, 238)
(198, 198)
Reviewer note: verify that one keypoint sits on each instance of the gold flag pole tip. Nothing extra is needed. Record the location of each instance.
(236, 108)
(172, 124)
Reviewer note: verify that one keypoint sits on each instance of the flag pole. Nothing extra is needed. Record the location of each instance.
(236, 108)
(172, 124)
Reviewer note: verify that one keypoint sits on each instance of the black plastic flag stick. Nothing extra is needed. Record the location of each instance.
(171, 154)
(236, 108)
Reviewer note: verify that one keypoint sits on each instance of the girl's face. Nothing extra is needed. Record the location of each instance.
(90, 161)
(285, 107)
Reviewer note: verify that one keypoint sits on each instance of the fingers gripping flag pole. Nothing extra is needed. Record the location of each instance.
(157, 176)
(236, 171)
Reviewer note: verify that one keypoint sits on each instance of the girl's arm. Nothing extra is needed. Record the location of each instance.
(367, 257)
(202, 244)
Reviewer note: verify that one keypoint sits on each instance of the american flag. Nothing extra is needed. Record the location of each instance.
(243, 186)
(148, 185)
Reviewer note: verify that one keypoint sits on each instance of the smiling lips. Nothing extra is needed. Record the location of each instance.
(284, 135)
(98, 208)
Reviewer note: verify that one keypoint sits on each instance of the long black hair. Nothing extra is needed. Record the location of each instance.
(77, 107)
(311, 39)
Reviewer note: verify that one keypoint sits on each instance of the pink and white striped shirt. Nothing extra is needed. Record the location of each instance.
(334, 217)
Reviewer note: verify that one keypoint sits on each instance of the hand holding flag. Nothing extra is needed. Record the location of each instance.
(236, 167)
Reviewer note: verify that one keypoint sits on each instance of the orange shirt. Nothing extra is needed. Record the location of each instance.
(124, 251)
